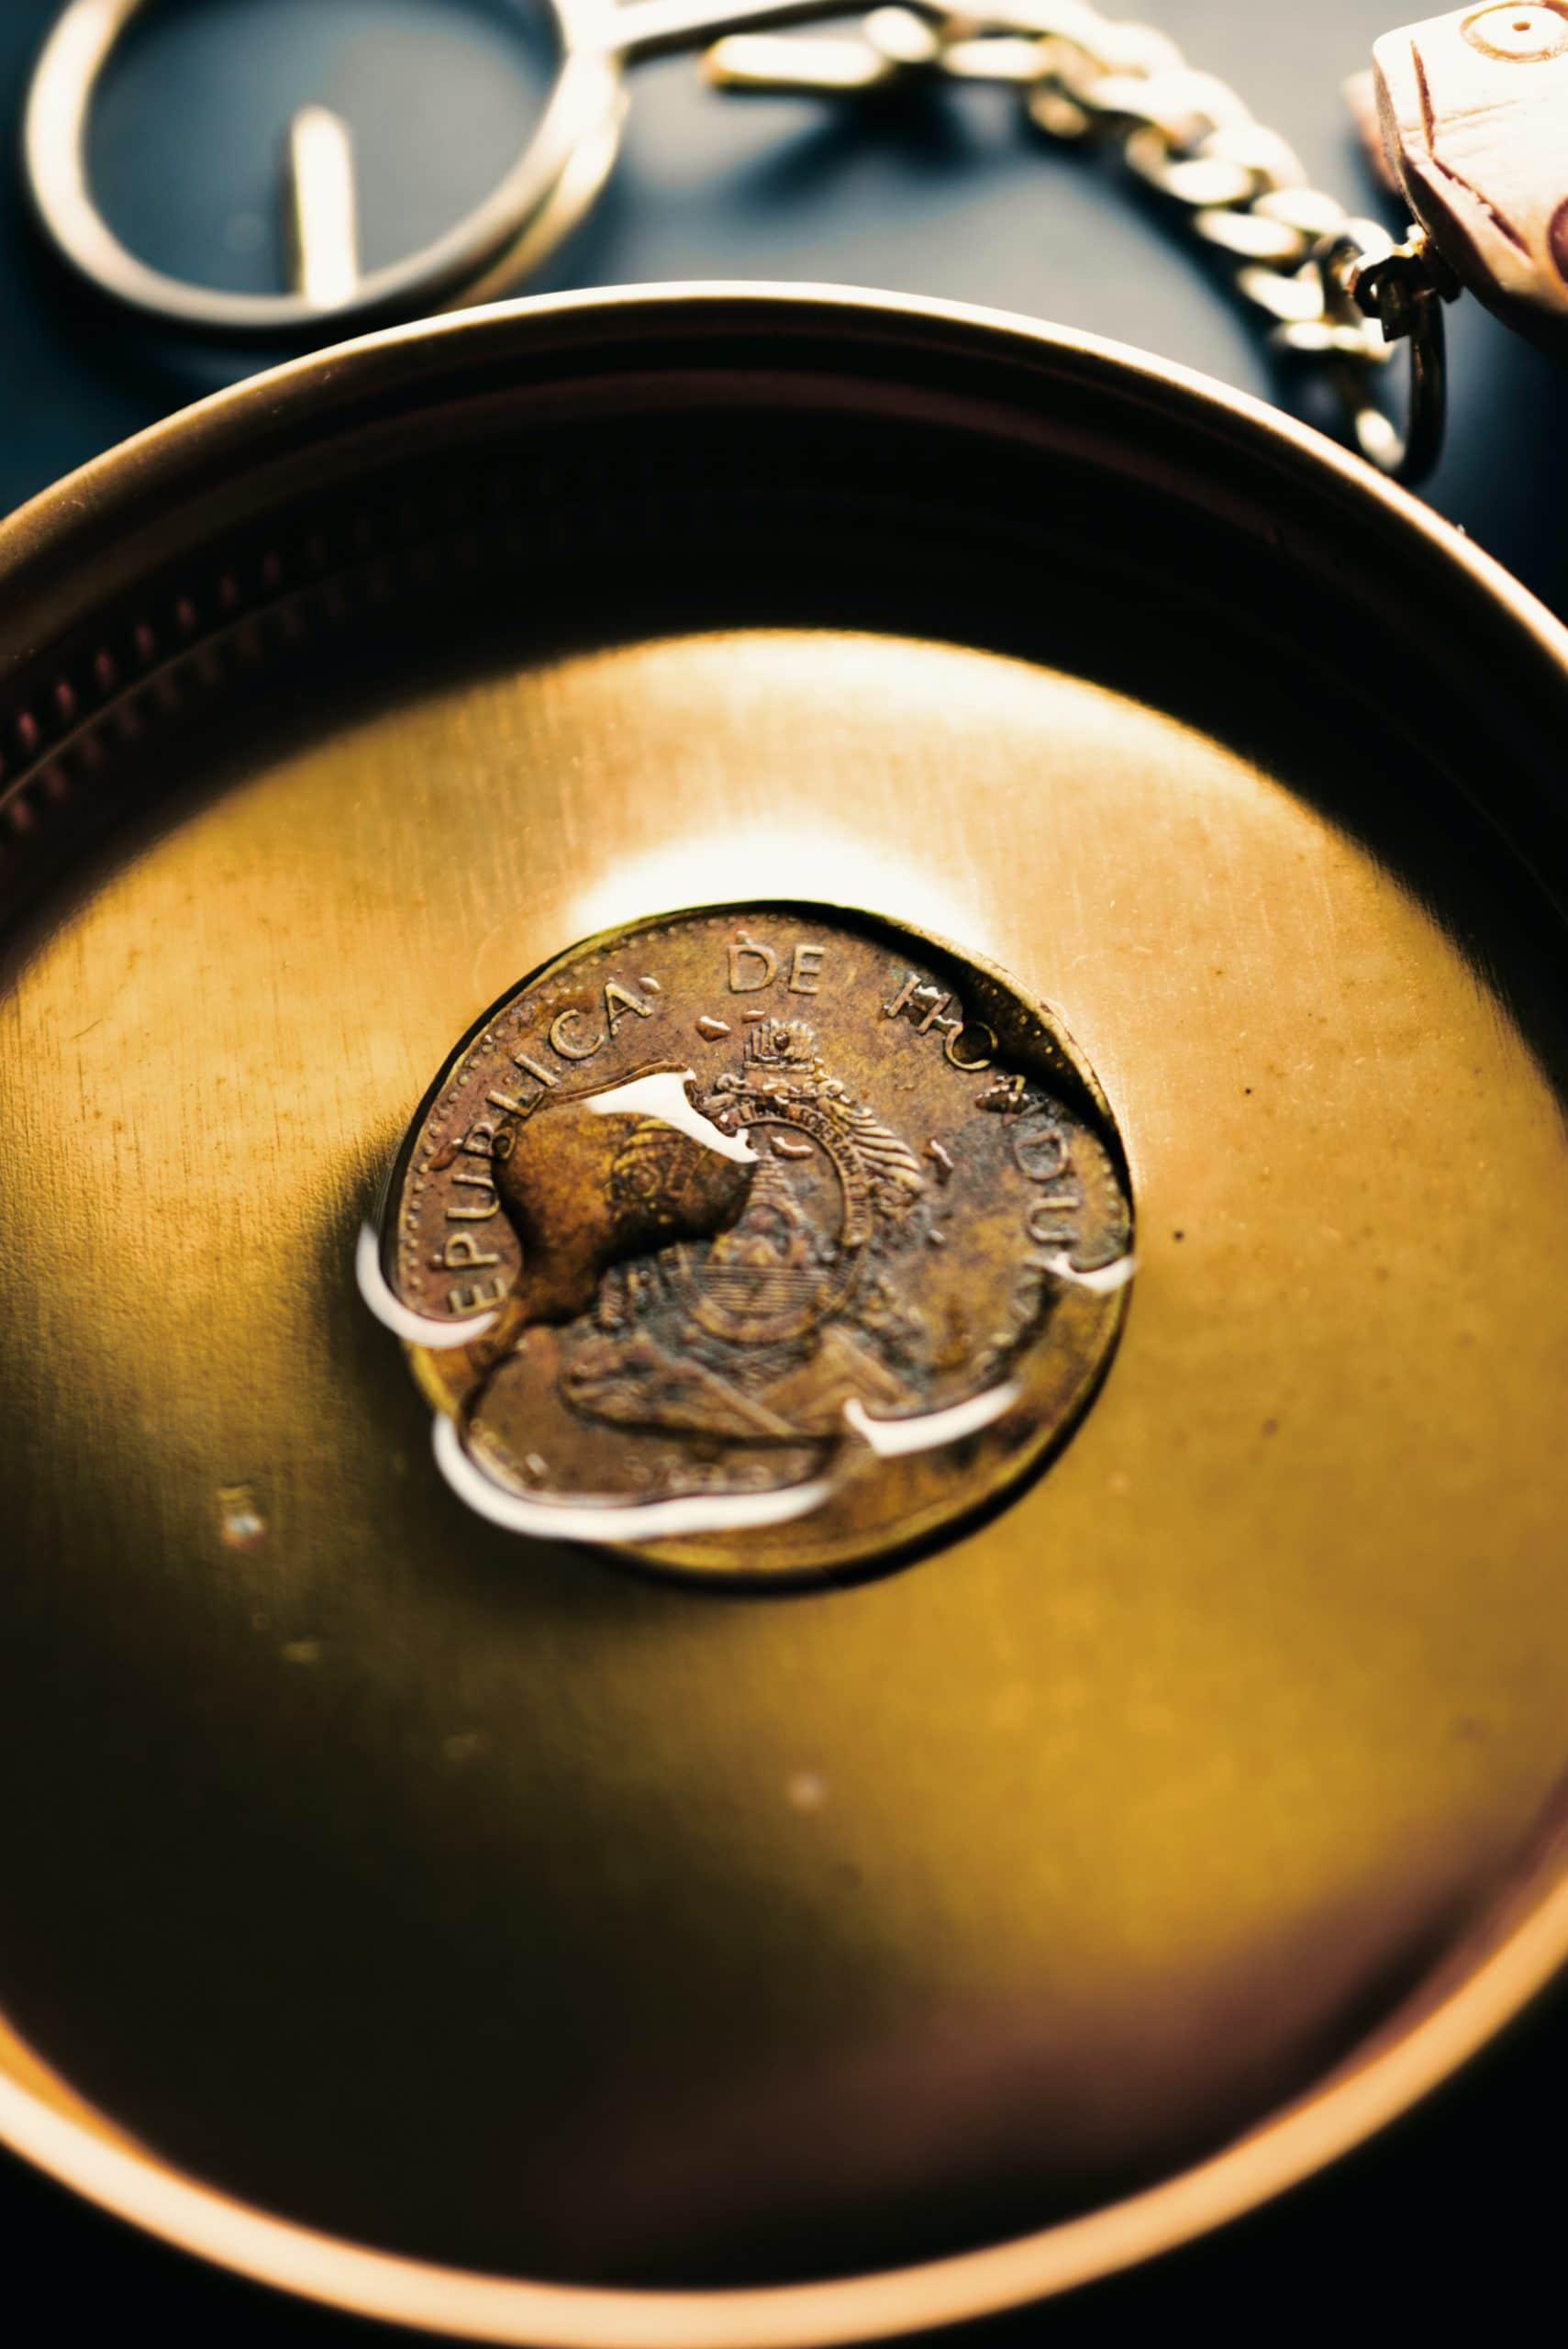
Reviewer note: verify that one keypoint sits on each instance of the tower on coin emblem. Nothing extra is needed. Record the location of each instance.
(762, 1242)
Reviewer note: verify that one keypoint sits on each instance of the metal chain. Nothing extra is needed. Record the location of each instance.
(1338, 294)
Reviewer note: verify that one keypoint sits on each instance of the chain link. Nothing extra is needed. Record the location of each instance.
(1336, 293)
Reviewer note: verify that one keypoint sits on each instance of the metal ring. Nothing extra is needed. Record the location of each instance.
(1406, 456)
(544, 194)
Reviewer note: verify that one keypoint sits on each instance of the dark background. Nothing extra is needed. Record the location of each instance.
(1457, 2215)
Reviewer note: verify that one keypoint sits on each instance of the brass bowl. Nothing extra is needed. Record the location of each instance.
(477, 1933)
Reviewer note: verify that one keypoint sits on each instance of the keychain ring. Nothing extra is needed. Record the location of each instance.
(522, 221)
(1401, 290)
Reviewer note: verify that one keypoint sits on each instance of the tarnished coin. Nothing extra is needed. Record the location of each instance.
(763, 1241)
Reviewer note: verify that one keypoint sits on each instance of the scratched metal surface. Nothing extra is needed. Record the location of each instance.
(951, 203)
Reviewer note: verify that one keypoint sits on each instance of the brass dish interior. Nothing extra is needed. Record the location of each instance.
(497, 1907)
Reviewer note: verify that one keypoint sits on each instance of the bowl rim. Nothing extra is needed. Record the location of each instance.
(48, 551)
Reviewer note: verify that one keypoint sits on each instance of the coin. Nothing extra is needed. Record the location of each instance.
(764, 1240)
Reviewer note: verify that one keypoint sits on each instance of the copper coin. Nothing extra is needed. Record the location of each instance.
(762, 1241)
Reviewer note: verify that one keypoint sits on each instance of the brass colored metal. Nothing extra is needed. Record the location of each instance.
(791, 1238)
(427, 1919)
(544, 196)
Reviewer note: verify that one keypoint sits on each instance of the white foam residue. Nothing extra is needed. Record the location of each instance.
(663, 1095)
(613, 1521)
(1102, 1281)
(419, 1329)
(888, 1438)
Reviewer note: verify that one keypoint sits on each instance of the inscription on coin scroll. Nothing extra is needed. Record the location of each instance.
(767, 1241)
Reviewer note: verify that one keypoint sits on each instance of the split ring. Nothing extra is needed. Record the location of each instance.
(547, 192)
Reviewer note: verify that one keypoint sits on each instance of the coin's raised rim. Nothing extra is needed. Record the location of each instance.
(93, 537)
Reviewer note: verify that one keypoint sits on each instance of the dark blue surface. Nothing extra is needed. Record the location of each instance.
(1454, 2215)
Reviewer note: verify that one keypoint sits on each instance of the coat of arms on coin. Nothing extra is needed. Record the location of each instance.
(762, 1241)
